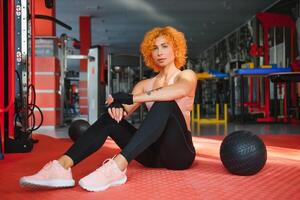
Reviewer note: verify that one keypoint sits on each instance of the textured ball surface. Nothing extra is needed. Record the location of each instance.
(243, 153)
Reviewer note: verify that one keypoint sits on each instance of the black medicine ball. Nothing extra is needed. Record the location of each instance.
(243, 153)
(77, 128)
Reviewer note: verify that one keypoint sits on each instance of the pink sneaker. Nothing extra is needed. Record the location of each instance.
(51, 175)
(104, 177)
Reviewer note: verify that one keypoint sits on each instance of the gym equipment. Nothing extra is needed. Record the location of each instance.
(243, 153)
(96, 79)
(216, 77)
(18, 101)
(77, 128)
(123, 71)
(256, 107)
(15, 97)
(290, 112)
(268, 21)
(96, 83)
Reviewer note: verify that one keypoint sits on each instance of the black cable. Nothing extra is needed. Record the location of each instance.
(20, 83)
(18, 102)
(30, 107)
(33, 116)
(50, 18)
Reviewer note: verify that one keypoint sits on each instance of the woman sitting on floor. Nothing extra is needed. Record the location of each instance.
(163, 140)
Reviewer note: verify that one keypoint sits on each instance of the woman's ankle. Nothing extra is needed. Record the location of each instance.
(121, 162)
(65, 161)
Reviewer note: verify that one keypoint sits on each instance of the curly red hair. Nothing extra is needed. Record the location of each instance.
(173, 36)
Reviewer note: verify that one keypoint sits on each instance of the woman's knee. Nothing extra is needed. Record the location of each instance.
(105, 118)
(181, 162)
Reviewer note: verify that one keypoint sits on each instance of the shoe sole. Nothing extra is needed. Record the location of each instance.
(47, 184)
(97, 189)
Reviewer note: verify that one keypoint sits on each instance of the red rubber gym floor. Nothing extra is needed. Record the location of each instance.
(207, 179)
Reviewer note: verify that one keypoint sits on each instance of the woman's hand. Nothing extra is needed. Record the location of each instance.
(116, 111)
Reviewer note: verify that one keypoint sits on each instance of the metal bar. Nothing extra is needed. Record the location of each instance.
(32, 64)
(225, 113)
(217, 112)
(198, 112)
(11, 67)
(275, 46)
(109, 74)
(63, 69)
(79, 57)
(275, 101)
(22, 47)
(1, 76)
(242, 98)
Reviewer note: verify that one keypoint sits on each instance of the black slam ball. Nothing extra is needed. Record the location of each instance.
(243, 153)
(77, 128)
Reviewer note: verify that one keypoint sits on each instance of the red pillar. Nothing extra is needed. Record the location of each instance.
(266, 45)
(102, 64)
(11, 65)
(1, 73)
(267, 81)
(85, 44)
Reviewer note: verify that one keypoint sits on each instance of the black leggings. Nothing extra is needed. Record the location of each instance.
(162, 140)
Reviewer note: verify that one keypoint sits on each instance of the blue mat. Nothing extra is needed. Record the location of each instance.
(261, 71)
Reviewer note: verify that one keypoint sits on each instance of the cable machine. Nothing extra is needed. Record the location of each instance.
(15, 61)
(17, 75)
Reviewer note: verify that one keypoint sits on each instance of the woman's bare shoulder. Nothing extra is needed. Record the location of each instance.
(188, 72)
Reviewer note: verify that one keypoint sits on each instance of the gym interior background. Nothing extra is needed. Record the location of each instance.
(60, 60)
